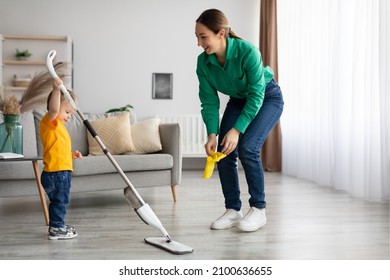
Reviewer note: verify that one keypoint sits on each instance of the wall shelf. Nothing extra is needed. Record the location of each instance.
(39, 46)
(23, 62)
(15, 88)
(32, 37)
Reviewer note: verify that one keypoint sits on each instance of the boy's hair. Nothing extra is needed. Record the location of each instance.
(71, 93)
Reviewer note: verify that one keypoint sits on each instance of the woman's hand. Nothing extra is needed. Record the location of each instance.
(230, 141)
(211, 144)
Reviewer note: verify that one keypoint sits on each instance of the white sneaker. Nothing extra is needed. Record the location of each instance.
(229, 219)
(253, 220)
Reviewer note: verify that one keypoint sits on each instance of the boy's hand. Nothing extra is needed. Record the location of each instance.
(57, 83)
(77, 155)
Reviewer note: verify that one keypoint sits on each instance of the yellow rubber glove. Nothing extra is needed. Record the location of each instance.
(210, 163)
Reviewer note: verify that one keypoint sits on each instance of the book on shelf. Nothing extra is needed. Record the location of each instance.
(10, 155)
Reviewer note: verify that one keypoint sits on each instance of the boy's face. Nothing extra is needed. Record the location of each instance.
(66, 111)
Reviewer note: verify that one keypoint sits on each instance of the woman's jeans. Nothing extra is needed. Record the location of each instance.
(57, 187)
(248, 148)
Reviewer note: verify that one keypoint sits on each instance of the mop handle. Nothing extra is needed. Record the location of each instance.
(50, 68)
(49, 65)
(138, 201)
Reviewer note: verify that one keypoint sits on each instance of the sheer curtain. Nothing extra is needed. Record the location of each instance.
(333, 61)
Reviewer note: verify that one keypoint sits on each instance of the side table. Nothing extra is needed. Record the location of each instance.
(37, 173)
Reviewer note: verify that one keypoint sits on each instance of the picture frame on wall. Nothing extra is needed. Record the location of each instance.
(162, 86)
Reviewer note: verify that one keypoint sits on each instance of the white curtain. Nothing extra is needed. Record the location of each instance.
(334, 74)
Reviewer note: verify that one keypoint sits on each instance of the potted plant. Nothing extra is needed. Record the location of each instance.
(126, 108)
(22, 55)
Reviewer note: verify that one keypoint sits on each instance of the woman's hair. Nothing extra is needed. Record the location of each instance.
(71, 93)
(215, 20)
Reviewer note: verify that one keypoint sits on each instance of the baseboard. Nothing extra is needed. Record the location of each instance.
(197, 163)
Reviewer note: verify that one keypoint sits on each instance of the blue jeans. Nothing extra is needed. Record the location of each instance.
(248, 148)
(57, 187)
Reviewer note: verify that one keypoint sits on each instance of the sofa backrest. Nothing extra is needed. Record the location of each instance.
(76, 129)
(32, 145)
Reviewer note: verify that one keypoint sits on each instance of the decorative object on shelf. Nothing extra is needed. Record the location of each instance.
(11, 131)
(22, 82)
(162, 85)
(22, 55)
(126, 108)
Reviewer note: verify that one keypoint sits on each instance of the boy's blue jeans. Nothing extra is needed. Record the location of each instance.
(248, 148)
(57, 187)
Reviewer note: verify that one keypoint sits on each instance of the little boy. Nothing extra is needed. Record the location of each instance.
(57, 159)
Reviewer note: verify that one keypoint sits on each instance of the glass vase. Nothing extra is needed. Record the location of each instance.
(11, 135)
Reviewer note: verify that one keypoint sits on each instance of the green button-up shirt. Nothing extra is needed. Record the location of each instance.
(242, 76)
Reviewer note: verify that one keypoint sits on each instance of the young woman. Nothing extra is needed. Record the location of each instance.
(233, 66)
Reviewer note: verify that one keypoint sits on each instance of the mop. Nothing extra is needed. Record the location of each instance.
(143, 210)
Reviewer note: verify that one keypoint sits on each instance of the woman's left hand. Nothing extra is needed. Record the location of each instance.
(230, 141)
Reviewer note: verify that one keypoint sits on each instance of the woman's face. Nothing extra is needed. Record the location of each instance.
(210, 42)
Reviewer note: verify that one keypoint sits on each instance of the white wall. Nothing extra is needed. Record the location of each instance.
(118, 44)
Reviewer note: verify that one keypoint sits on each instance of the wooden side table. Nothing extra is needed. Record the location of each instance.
(37, 174)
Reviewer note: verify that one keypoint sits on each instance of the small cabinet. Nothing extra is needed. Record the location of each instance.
(22, 70)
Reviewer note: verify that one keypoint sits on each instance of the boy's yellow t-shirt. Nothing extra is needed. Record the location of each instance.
(57, 145)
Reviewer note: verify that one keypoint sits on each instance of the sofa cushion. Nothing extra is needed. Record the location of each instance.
(11, 170)
(92, 165)
(146, 136)
(115, 133)
(29, 136)
(38, 115)
(75, 128)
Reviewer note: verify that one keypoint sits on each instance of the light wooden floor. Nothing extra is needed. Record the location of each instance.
(304, 222)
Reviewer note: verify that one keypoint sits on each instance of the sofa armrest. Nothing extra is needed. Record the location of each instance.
(171, 144)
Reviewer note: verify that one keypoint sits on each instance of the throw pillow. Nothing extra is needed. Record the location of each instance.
(115, 133)
(146, 136)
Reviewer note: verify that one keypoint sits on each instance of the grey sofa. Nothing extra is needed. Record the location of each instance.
(94, 173)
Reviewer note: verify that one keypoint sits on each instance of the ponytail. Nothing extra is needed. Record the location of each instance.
(215, 20)
(232, 34)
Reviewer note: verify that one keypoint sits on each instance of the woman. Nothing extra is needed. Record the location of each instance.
(233, 66)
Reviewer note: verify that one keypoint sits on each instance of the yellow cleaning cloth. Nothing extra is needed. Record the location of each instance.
(210, 163)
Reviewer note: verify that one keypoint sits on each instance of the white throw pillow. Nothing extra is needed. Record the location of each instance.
(146, 136)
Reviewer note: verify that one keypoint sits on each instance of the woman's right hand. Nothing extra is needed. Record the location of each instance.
(211, 144)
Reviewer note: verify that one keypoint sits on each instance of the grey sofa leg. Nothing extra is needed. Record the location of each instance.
(173, 188)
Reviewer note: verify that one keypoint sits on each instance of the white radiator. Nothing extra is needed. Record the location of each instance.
(193, 133)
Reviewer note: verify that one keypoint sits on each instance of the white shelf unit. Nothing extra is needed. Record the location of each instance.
(39, 46)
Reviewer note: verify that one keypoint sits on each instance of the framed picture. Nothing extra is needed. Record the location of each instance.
(162, 85)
